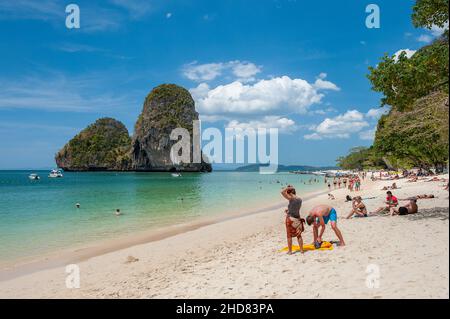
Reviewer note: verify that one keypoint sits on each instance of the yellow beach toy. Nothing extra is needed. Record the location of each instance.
(325, 246)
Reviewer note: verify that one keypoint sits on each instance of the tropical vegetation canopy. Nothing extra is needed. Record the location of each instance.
(415, 132)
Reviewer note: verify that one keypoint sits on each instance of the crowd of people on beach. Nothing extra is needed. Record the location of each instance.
(320, 215)
(353, 182)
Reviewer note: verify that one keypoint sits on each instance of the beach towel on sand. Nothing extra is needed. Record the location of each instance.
(325, 246)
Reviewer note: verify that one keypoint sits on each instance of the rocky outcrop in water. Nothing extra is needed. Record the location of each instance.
(102, 146)
(167, 107)
(107, 146)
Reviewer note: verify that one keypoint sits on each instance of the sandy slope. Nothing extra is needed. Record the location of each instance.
(240, 258)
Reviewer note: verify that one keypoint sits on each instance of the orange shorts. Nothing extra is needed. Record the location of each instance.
(294, 226)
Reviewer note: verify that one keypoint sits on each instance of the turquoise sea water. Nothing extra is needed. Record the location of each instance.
(38, 217)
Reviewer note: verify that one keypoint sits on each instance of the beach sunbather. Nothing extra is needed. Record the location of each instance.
(319, 217)
(358, 208)
(391, 201)
(394, 186)
(413, 179)
(410, 208)
(425, 196)
(294, 223)
(331, 197)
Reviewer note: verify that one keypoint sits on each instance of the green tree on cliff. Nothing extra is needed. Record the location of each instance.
(415, 132)
(430, 13)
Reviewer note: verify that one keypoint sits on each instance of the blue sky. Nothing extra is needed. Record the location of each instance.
(299, 66)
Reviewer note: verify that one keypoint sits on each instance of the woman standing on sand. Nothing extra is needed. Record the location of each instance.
(357, 184)
(294, 224)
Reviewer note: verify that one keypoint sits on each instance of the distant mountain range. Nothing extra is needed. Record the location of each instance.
(284, 168)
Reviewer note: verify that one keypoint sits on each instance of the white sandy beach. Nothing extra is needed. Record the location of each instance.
(240, 258)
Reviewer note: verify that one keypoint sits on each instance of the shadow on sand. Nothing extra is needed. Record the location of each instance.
(437, 212)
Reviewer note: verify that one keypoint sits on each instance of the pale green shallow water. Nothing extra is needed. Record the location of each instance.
(38, 217)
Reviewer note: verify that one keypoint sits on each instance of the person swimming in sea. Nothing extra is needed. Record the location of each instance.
(294, 223)
(319, 217)
(118, 212)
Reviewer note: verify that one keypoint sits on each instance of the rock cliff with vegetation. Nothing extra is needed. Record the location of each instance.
(418, 137)
(102, 146)
(415, 133)
(167, 107)
(107, 146)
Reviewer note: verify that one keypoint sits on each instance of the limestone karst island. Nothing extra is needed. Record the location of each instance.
(106, 145)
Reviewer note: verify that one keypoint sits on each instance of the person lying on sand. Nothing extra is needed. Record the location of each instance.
(391, 201)
(413, 179)
(358, 208)
(394, 186)
(410, 208)
(331, 197)
(319, 216)
(294, 223)
(425, 196)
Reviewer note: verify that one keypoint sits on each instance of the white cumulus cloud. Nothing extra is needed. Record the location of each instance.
(368, 135)
(240, 70)
(425, 38)
(377, 112)
(265, 97)
(341, 126)
(202, 72)
(344, 125)
(283, 124)
(409, 53)
(434, 32)
(245, 71)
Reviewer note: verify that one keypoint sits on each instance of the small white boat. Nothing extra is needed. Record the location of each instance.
(34, 177)
(176, 175)
(55, 173)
